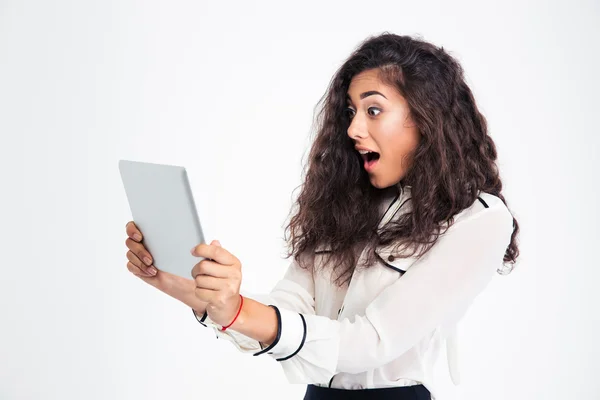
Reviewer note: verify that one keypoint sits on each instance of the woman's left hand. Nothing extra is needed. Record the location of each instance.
(218, 279)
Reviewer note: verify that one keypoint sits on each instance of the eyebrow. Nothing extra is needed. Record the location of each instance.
(366, 94)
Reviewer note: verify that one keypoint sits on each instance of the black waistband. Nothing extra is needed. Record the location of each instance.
(416, 392)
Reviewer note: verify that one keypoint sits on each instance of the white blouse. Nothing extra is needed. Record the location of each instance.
(387, 326)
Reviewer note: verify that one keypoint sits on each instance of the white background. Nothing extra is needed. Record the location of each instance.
(228, 90)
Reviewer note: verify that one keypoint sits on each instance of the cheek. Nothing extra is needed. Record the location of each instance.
(412, 139)
(400, 142)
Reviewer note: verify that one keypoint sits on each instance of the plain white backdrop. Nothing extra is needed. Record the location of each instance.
(228, 90)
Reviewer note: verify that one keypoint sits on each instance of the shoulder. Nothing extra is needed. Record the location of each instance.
(487, 214)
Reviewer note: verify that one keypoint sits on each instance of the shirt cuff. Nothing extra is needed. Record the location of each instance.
(291, 335)
(244, 343)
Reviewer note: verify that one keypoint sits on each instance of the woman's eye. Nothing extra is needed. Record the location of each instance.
(350, 112)
(374, 108)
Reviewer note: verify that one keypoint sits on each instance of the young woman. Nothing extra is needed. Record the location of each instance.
(400, 224)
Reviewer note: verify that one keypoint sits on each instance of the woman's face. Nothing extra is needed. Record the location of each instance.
(380, 122)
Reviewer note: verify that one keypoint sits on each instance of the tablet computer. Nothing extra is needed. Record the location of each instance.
(162, 205)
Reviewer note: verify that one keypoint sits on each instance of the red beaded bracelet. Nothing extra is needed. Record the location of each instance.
(238, 313)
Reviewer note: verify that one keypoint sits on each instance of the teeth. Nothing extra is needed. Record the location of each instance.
(364, 151)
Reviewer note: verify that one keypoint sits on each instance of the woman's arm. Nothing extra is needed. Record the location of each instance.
(257, 325)
(435, 291)
(257, 321)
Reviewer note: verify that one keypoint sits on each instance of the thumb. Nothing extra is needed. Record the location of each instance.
(215, 243)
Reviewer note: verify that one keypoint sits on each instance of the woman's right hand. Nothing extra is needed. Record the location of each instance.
(140, 264)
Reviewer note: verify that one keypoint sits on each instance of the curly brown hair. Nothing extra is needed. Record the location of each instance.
(455, 159)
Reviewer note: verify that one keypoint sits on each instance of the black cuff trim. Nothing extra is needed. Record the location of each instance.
(278, 333)
(201, 320)
(301, 343)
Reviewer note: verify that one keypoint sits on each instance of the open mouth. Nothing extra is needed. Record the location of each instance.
(370, 159)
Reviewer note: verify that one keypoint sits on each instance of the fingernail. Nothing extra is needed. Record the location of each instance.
(193, 248)
(137, 236)
(152, 270)
(147, 260)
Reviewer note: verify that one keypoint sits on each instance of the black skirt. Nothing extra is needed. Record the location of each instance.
(415, 392)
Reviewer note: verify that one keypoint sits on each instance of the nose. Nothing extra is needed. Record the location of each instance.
(357, 128)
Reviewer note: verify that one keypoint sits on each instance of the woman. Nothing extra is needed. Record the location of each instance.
(400, 225)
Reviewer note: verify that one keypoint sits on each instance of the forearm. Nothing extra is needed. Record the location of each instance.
(257, 321)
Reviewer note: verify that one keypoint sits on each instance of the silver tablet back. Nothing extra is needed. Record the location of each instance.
(163, 208)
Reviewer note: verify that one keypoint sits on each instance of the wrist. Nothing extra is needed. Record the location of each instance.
(257, 321)
(189, 299)
(199, 310)
(238, 311)
(241, 318)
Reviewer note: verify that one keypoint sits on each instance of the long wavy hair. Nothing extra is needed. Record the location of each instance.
(455, 159)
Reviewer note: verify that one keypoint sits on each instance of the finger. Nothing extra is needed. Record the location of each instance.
(215, 243)
(140, 251)
(216, 253)
(134, 269)
(210, 282)
(214, 269)
(133, 232)
(150, 271)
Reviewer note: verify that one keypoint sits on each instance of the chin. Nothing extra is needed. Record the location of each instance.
(378, 183)
(383, 184)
